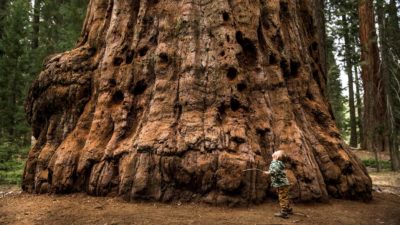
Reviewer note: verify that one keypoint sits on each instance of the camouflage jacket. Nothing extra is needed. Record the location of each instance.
(278, 175)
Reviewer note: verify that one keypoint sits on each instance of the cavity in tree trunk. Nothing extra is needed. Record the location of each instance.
(173, 100)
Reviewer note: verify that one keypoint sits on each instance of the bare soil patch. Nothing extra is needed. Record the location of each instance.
(21, 208)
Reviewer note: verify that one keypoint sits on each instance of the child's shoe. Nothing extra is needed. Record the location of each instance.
(282, 214)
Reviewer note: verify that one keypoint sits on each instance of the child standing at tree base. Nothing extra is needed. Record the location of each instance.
(280, 181)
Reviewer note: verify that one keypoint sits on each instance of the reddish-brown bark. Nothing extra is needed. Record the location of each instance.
(170, 100)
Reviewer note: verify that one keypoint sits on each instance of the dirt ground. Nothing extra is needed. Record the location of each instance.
(21, 208)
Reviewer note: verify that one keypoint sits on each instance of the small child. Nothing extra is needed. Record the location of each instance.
(280, 181)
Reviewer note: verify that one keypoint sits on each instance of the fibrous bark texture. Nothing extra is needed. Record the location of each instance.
(175, 100)
(374, 119)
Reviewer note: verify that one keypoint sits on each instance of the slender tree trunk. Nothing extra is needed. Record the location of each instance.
(36, 24)
(349, 71)
(394, 27)
(3, 6)
(374, 94)
(359, 107)
(171, 100)
(394, 37)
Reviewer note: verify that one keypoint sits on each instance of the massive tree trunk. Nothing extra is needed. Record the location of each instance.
(169, 100)
(374, 121)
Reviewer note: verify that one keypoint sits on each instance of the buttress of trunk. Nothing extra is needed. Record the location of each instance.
(169, 100)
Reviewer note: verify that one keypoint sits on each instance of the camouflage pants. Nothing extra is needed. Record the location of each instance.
(283, 194)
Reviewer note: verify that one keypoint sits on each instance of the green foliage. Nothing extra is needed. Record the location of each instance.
(335, 96)
(385, 164)
(15, 65)
(12, 159)
(59, 27)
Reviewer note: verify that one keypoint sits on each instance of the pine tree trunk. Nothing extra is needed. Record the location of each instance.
(374, 93)
(349, 71)
(169, 100)
(35, 24)
(359, 107)
(3, 6)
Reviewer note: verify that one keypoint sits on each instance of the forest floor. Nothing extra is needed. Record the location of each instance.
(17, 207)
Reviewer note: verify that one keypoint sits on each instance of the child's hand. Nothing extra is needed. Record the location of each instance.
(266, 172)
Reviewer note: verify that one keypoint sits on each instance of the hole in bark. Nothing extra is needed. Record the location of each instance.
(92, 51)
(294, 68)
(143, 51)
(238, 140)
(117, 61)
(308, 21)
(249, 49)
(222, 53)
(278, 41)
(148, 21)
(140, 87)
(232, 73)
(285, 68)
(314, 46)
(241, 86)
(153, 2)
(284, 12)
(221, 112)
(112, 82)
(262, 132)
(129, 56)
(225, 16)
(228, 39)
(320, 117)
(272, 59)
(235, 104)
(264, 18)
(348, 169)
(154, 39)
(118, 97)
(163, 57)
(315, 75)
(309, 95)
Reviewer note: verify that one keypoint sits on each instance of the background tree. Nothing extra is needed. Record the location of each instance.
(375, 128)
(334, 90)
(389, 73)
(342, 28)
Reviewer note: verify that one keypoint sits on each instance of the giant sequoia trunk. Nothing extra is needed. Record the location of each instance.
(374, 119)
(173, 100)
